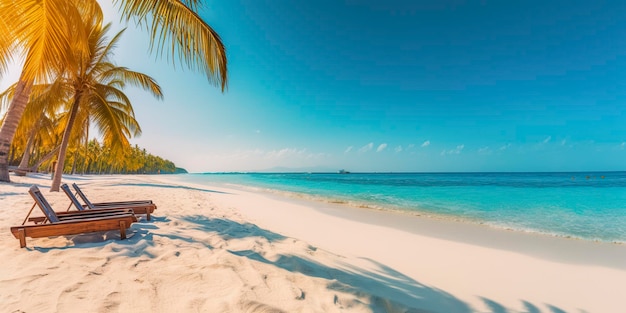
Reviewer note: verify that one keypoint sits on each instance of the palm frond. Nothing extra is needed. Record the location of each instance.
(113, 113)
(8, 44)
(193, 42)
(113, 124)
(45, 29)
(134, 78)
(90, 9)
(6, 96)
(49, 97)
(107, 48)
(47, 125)
(113, 97)
(90, 23)
(117, 83)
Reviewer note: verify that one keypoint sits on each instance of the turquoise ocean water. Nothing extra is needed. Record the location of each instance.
(590, 206)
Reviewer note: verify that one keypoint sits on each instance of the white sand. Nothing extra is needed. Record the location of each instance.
(211, 249)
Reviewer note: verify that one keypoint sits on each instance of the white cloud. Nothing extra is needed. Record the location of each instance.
(411, 146)
(456, 150)
(547, 139)
(258, 159)
(382, 147)
(426, 143)
(508, 145)
(398, 149)
(280, 154)
(622, 146)
(317, 155)
(258, 131)
(243, 154)
(284, 153)
(348, 149)
(484, 150)
(367, 147)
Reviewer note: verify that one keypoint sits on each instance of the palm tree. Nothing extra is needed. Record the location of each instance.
(38, 120)
(40, 133)
(92, 151)
(96, 94)
(46, 32)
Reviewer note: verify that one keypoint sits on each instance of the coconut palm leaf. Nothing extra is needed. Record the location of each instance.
(114, 119)
(45, 100)
(46, 31)
(6, 96)
(122, 75)
(178, 31)
(8, 45)
(96, 98)
(53, 39)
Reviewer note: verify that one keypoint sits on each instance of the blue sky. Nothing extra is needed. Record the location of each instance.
(396, 86)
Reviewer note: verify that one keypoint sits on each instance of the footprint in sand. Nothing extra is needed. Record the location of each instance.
(256, 307)
(69, 295)
(111, 302)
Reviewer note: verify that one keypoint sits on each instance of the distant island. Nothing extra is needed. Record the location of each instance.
(180, 170)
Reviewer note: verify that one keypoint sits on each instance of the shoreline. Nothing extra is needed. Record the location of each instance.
(257, 252)
(522, 248)
(396, 210)
(538, 244)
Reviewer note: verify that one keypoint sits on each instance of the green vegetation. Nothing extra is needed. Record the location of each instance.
(55, 39)
(97, 159)
(87, 93)
(94, 158)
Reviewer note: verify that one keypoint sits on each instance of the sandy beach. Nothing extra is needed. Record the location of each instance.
(214, 249)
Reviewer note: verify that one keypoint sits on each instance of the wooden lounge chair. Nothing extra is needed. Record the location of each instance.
(80, 193)
(61, 215)
(72, 223)
(138, 206)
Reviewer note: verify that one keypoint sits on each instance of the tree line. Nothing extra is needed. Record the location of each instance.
(92, 158)
(69, 83)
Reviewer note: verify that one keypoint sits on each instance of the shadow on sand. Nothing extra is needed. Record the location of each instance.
(169, 186)
(387, 289)
(137, 233)
(27, 185)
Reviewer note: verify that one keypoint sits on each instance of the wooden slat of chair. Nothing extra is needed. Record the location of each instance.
(90, 204)
(138, 206)
(71, 223)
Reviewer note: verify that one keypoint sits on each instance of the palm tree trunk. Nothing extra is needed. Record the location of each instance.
(85, 163)
(9, 125)
(58, 171)
(12, 153)
(23, 167)
(45, 158)
(74, 162)
(27, 152)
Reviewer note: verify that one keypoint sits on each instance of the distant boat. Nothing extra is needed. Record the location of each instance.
(343, 172)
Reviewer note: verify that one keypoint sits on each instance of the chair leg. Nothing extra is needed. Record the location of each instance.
(31, 211)
(148, 215)
(123, 229)
(21, 235)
